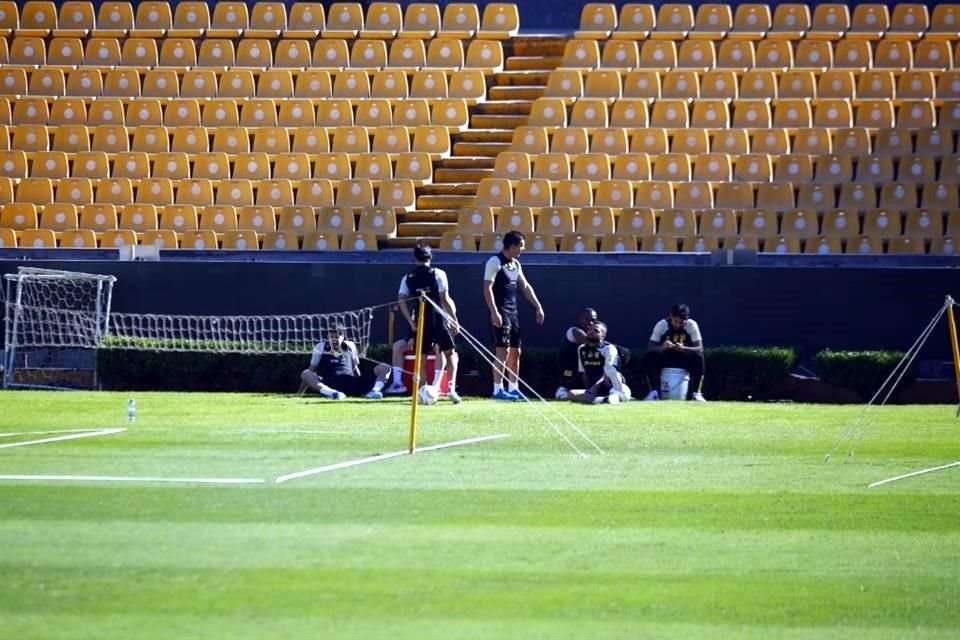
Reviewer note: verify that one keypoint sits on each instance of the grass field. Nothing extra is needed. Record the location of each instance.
(717, 520)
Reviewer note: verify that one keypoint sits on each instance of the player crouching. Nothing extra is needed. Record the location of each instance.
(599, 365)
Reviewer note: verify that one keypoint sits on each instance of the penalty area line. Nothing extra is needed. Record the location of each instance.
(132, 479)
(385, 456)
(72, 436)
(914, 474)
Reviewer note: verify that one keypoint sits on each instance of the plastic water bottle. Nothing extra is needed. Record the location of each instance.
(131, 411)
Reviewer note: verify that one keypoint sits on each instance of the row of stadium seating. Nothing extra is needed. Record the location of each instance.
(434, 140)
(715, 223)
(253, 53)
(242, 240)
(640, 222)
(756, 21)
(742, 55)
(381, 20)
(316, 192)
(620, 243)
(468, 84)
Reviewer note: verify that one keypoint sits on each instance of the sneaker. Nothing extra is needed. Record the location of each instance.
(562, 394)
(374, 395)
(340, 395)
(613, 398)
(503, 394)
(396, 388)
(653, 395)
(698, 397)
(516, 394)
(454, 397)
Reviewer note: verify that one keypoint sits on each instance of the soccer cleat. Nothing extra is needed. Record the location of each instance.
(613, 398)
(454, 397)
(653, 395)
(503, 394)
(562, 394)
(698, 397)
(339, 395)
(374, 395)
(516, 394)
(396, 388)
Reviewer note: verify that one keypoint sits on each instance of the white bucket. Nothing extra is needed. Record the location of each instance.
(674, 384)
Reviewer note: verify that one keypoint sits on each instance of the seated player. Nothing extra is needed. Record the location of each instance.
(567, 358)
(334, 370)
(675, 342)
(599, 366)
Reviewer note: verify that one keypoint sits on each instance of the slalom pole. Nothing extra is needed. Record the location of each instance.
(952, 324)
(418, 359)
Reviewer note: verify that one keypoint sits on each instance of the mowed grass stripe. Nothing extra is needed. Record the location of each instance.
(742, 598)
(602, 509)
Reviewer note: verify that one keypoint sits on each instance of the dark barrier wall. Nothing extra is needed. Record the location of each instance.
(810, 308)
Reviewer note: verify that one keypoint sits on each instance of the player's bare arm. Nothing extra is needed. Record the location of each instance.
(495, 318)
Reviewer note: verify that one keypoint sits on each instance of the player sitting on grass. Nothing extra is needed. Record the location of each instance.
(334, 370)
(599, 364)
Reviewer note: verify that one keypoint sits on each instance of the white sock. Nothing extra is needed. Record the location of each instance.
(378, 385)
(497, 387)
(437, 377)
(327, 392)
(397, 375)
(512, 386)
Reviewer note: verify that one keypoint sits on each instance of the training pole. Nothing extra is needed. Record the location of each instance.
(418, 360)
(952, 324)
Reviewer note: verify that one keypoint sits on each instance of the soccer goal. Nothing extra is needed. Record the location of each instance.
(54, 322)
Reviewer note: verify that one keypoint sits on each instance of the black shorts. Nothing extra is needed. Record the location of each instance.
(508, 333)
(353, 386)
(571, 379)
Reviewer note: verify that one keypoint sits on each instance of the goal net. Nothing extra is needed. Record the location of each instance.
(57, 320)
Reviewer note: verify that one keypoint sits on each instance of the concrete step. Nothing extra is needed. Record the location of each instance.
(515, 93)
(464, 162)
(502, 107)
(444, 201)
(520, 79)
(539, 45)
(483, 135)
(488, 149)
(498, 121)
(459, 189)
(431, 215)
(531, 63)
(441, 176)
(424, 229)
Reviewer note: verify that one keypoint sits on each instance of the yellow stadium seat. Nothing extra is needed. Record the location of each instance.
(921, 223)
(384, 20)
(637, 222)
(830, 22)
(934, 55)
(47, 82)
(306, 20)
(390, 84)
(331, 54)
(358, 241)
(37, 19)
(598, 20)
(500, 21)
(595, 220)
(944, 246)
(533, 192)
(896, 55)
(620, 54)
(421, 20)
(939, 197)
(683, 84)
(178, 53)
(344, 20)
(280, 240)
(856, 197)
(696, 55)
(460, 20)
(216, 53)
(37, 239)
(98, 218)
(267, 20)
(139, 217)
(629, 113)
(551, 166)
(50, 164)
(721, 84)
(591, 166)
(368, 54)
(114, 191)
(19, 216)
(655, 195)
(658, 55)
(458, 241)
(774, 54)
(190, 20)
(642, 83)
(674, 21)
(555, 221)
(379, 221)
(230, 20)
(445, 53)
(240, 240)
(476, 220)
(781, 244)
(153, 20)
(517, 218)
(751, 22)
(570, 141)
(677, 223)
(852, 54)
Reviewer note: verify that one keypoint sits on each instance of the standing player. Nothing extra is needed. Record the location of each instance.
(599, 366)
(567, 358)
(433, 282)
(334, 370)
(675, 342)
(502, 279)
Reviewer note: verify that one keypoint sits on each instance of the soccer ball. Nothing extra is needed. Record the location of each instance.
(429, 394)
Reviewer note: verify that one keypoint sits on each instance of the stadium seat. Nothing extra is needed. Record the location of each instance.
(555, 221)
(267, 20)
(37, 239)
(500, 21)
(421, 20)
(358, 241)
(306, 20)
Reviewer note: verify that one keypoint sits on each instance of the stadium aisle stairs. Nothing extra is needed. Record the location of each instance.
(529, 59)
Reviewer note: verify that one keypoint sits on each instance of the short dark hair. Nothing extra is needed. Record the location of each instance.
(339, 328)
(680, 311)
(422, 253)
(512, 239)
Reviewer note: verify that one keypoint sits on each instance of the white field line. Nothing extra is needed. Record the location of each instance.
(132, 479)
(384, 456)
(914, 473)
(73, 436)
(43, 433)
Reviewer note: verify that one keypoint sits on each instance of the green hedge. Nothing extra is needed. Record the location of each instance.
(861, 371)
(732, 372)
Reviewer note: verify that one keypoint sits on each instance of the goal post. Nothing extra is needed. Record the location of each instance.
(54, 321)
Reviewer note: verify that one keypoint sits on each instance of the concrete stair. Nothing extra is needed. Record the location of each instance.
(510, 94)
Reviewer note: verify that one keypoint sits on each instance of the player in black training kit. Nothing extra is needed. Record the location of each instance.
(599, 364)
(567, 358)
(675, 342)
(334, 370)
(502, 280)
